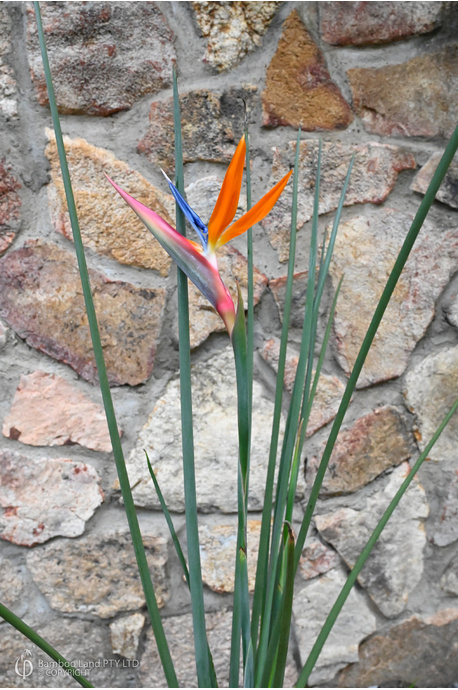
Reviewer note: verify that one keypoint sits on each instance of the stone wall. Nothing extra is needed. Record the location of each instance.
(378, 80)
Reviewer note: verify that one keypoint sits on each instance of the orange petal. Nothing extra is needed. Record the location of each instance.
(228, 198)
(255, 214)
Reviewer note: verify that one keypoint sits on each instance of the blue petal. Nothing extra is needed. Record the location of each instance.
(198, 225)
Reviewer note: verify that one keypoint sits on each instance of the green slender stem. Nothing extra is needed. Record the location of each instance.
(341, 599)
(244, 431)
(262, 564)
(393, 278)
(168, 517)
(134, 527)
(289, 441)
(34, 637)
(250, 304)
(187, 433)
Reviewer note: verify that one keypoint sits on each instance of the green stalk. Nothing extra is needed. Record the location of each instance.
(341, 599)
(244, 431)
(262, 564)
(168, 518)
(134, 527)
(34, 637)
(403, 255)
(187, 433)
(250, 305)
(289, 440)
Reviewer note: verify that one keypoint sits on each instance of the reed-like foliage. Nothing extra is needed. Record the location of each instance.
(261, 625)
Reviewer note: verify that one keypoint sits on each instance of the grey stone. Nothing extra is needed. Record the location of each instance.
(445, 527)
(396, 564)
(449, 580)
(125, 635)
(311, 607)
(8, 85)
(215, 440)
(448, 191)
(374, 173)
(365, 252)
(430, 391)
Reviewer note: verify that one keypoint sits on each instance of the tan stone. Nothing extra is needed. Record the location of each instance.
(108, 225)
(103, 57)
(446, 193)
(44, 498)
(10, 203)
(125, 635)
(424, 102)
(328, 393)
(373, 444)
(49, 411)
(365, 251)
(299, 89)
(98, 574)
(420, 651)
(353, 23)
(212, 124)
(374, 174)
(218, 549)
(233, 29)
(41, 299)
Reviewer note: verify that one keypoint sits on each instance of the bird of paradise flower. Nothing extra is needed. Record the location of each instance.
(198, 261)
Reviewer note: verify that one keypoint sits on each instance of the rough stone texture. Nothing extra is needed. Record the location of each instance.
(212, 124)
(41, 299)
(328, 394)
(179, 629)
(317, 559)
(360, 23)
(365, 251)
(8, 86)
(396, 564)
(445, 529)
(103, 57)
(217, 551)
(299, 89)
(430, 391)
(108, 225)
(10, 203)
(12, 584)
(311, 606)
(233, 29)
(214, 410)
(125, 635)
(233, 268)
(278, 288)
(4, 331)
(374, 173)
(98, 574)
(417, 651)
(449, 580)
(424, 102)
(45, 498)
(49, 411)
(448, 191)
(373, 444)
(81, 642)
